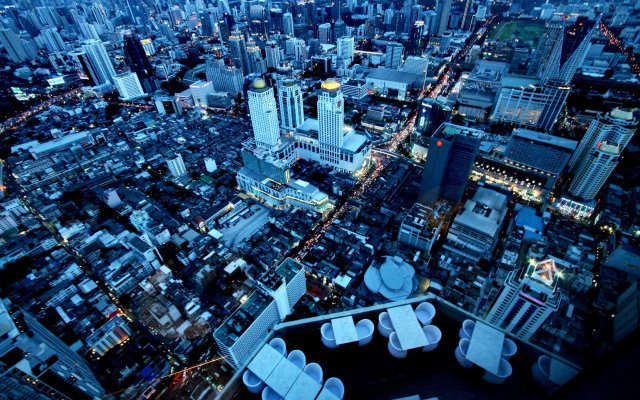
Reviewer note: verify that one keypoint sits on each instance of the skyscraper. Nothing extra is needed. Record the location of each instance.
(272, 51)
(393, 55)
(290, 102)
(449, 161)
(443, 11)
(431, 115)
(569, 50)
(128, 85)
(99, 65)
(13, 45)
(53, 41)
(287, 20)
(238, 51)
(599, 151)
(346, 49)
(242, 332)
(33, 356)
(264, 115)
(467, 18)
(331, 120)
(176, 166)
(136, 58)
(560, 53)
(527, 299)
(325, 33)
(257, 64)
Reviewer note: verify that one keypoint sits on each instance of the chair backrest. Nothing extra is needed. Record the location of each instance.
(335, 386)
(468, 325)
(464, 346)
(544, 362)
(395, 342)
(298, 358)
(384, 318)
(427, 307)
(278, 344)
(432, 333)
(509, 347)
(504, 369)
(327, 330)
(366, 324)
(314, 370)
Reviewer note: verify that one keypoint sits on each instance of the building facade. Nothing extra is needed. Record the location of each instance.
(527, 299)
(599, 152)
(243, 331)
(290, 102)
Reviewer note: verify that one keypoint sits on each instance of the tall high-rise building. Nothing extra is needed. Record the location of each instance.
(128, 85)
(242, 332)
(467, 18)
(13, 45)
(449, 162)
(176, 166)
(475, 230)
(264, 114)
(273, 54)
(431, 115)
(238, 51)
(297, 48)
(569, 51)
(225, 77)
(287, 20)
(550, 36)
(99, 65)
(135, 57)
(257, 64)
(345, 49)
(562, 50)
(331, 120)
(290, 102)
(325, 33)
(393, 55)
(527, 299)
(53, 41)
(528, 102)
(443, 11)
(199, 91)
(38, 365)
(599, 151)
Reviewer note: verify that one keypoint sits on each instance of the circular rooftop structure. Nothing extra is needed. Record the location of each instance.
(259, 83)
(330, 84)
(390, 276)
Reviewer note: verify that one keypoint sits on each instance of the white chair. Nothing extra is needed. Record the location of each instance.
(252, 382)
(433, 335)
(504, 371)
(541, 370)
(385, 327)
(270, 394)
(509, 348)
(298, 358)
(365, 329)
(279, 345)
(335, 386)
(394, 346)
(467, 329)
(461, 353)
(425, 313)
(328, 338)
(314, 370)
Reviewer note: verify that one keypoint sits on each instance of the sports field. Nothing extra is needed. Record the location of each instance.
(524, 31)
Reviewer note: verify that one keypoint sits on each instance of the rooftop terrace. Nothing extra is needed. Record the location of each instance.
(370, 372)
